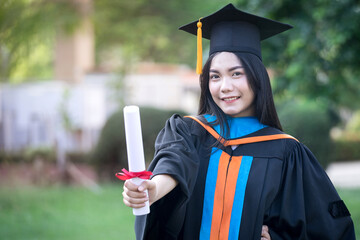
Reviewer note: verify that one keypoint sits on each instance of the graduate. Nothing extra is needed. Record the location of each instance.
(230, 172)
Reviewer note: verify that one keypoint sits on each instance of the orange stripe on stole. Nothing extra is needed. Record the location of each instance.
(226, 183)
(258, 139)
(241, 140)
(230, 188)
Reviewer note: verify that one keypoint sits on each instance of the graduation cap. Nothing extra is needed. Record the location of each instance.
(232, 30)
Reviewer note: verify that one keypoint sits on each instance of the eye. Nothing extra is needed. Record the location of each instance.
(214, 76)
(238, 74)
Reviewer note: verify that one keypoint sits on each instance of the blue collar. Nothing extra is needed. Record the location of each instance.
(239, 126)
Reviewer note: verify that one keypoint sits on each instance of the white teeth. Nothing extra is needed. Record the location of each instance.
(230, 99)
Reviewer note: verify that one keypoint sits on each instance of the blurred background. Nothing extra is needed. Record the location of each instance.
(68, 67)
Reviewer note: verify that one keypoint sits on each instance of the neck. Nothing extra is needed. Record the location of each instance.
(238, 126)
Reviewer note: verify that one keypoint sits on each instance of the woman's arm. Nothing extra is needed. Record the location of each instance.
(135, 197)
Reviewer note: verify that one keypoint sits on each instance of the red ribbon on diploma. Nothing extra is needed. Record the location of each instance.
(125, 175)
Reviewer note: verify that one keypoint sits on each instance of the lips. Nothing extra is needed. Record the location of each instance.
(229, 99)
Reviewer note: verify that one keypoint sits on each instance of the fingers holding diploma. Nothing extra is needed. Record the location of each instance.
(135, 196)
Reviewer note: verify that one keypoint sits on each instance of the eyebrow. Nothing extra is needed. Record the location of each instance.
(230, 69)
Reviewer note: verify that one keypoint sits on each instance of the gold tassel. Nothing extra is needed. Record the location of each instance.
(199, 49)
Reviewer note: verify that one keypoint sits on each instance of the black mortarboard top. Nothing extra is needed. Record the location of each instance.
(232, 30)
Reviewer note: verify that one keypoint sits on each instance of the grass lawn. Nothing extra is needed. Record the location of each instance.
(77, 213)
(352, 201)
(64, 213)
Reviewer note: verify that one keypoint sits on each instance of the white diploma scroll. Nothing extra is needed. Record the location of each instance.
(135, 149)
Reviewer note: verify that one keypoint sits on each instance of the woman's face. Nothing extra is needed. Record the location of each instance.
(229, 86)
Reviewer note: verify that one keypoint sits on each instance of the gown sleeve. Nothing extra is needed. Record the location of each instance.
(175, 155)
(307, 205)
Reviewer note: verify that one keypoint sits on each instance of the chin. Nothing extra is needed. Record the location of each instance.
(232, 114)
(238, 114)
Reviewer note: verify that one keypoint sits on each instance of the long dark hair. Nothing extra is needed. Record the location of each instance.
(259, 82)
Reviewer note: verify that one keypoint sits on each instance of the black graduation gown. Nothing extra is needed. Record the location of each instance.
(286, 188)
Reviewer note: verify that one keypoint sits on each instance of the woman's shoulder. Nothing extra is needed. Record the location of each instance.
(187, 123)
(284, 143)
(196, 124)
(294, 149)
(180, 120)
(277, 134)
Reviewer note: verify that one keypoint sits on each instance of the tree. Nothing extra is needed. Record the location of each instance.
(148, 30)
(27, 25)
(138, 29)
(319, 57)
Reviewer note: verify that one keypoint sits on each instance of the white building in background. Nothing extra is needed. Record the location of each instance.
(164, 86)
(32, 114)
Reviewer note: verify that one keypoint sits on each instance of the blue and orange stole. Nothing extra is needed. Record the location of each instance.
(226, 179)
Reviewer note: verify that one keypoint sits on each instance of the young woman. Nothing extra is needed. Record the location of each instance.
(230, 173)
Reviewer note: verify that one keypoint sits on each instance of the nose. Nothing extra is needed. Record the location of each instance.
(226, 85)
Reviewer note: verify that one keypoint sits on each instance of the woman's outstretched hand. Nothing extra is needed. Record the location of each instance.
(265, 235)
(135, 197)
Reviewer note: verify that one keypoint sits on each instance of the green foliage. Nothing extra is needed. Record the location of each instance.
(37, 64)
(28, 28)
(123, 29)
(111, 149)
(347, 150)
(149, 29)
(77, 157)
(310, 123)
(110, 152)
(44, 153)
(319, 56)
(353, 126)
(11, 157)
(28, 155)
(348, 142)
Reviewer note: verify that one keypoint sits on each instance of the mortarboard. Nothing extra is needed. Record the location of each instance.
(232, 30)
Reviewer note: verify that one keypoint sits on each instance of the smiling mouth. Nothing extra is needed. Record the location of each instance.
(230, 99)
